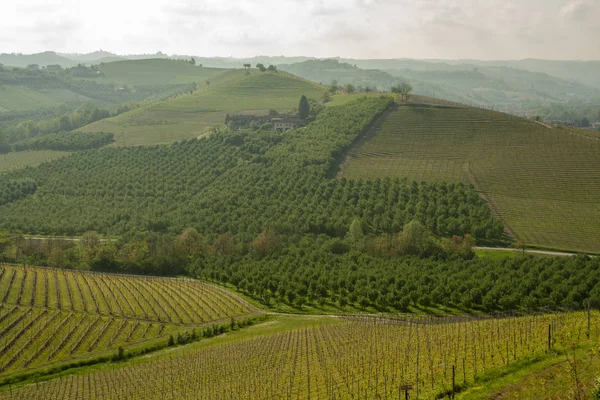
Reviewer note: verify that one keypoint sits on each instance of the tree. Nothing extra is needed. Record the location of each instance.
(190, 242)
(333, 87)
(224, 245)
(193, 61)
(315, 108)
(207, 84)
(415, 239)
(261, 67)
(303, 108)
(247, 67)
(521, 245)
(349, 88)
(356, 235)
(272, 68)
(404, 90)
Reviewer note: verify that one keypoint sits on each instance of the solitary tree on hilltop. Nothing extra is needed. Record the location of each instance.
(272, 68)
(247, 66)
(404, 90)
(303, 108)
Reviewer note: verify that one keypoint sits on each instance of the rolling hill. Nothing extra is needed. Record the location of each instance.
(191, 115)
(543, 183)
(156, 71)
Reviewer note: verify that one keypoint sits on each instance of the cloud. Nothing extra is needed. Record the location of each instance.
(322, 28)
(578, 11)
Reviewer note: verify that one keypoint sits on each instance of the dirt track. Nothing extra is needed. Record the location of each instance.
(544, 252)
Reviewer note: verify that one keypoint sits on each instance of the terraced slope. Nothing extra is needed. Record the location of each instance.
(49, 315)
(192, 115)
(544, 183)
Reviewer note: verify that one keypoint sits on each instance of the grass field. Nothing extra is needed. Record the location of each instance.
(158, 71)
(22, 159)
(49, 316)
(192, 115)
(544, 183)
(326, 359)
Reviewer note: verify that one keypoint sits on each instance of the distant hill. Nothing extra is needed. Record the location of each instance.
(585, 72)
(91, 57)
(191, 115)
(544, 183)
(326, 71)
(42, 59)
(504, 88)
(156, 71)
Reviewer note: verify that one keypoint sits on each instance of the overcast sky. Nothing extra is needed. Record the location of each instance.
(449, 29)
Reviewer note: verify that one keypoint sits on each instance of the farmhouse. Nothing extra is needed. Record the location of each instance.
(281, 123)
(285, 123)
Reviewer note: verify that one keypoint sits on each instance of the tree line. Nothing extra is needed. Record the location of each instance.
(324, 272)
(66, 141)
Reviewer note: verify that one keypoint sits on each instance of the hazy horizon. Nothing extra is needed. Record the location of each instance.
(291, 56)
(359, 29)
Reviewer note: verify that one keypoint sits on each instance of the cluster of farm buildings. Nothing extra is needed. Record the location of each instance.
(280, 123)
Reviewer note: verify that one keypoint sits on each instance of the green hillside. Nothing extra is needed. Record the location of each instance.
(544, 183)
(191, 115)
(157, 71)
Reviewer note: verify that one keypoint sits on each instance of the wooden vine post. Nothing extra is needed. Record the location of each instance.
(405, 389)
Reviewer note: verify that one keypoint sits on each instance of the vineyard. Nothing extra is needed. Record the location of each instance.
(542, 182)
(359, 359)
(53, 315)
